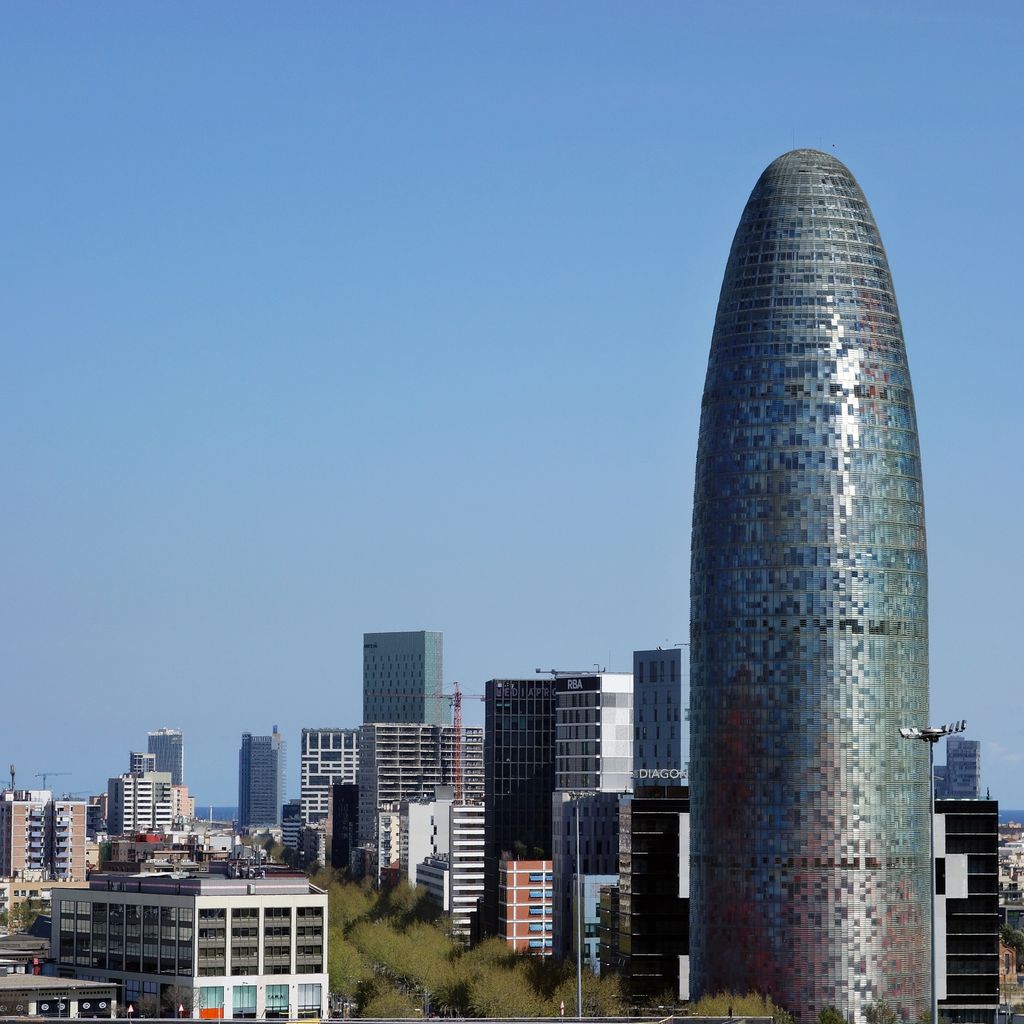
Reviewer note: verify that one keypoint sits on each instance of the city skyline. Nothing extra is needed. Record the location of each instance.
(316, 330)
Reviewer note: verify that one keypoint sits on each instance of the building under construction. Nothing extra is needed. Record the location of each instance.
(408, 761)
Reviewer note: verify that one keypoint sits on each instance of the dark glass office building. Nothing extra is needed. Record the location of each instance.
(519, 777)
(809, 627)
(967, 910)
(644, 920)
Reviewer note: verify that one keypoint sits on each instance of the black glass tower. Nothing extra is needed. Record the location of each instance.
(519, 777)
(809, 628)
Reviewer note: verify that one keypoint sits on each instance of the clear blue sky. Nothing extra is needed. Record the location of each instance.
(324, 318)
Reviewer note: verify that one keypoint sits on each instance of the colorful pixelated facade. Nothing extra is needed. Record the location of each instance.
(809, 629)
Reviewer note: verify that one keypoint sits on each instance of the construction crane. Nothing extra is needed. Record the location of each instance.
(46, 775)
(555, 673)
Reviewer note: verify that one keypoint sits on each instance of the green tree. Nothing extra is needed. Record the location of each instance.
(392, 1002)
(735, 1004)
(830, 1015)
(1014, 938)
(882, 1012)
(22, 916)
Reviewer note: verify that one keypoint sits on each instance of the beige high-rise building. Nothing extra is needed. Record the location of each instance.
(41, 837)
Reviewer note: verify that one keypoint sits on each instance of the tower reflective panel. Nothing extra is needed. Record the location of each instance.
(809, 629)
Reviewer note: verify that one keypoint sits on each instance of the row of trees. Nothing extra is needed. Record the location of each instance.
(389, 955)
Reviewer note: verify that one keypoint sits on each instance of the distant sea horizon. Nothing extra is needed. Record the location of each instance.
(1009, 814)
(221, 812)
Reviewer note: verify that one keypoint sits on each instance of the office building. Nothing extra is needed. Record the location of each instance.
(645, 917)
(261, 774)
(343, 824)
(525, 918)
(140, 803)
(140, 762)
(519, 778)
(408, 761)
(41, 837)
(242, 947)
(403, 678)
(168, 747)
(593, 770)
(967, 916)
(661, 735)
(291, 823)
(809, 618)
(328, 757)
(594, 732)
(961, 778)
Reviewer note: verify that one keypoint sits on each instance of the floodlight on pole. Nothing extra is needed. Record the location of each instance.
(576, 795)
(931, 734)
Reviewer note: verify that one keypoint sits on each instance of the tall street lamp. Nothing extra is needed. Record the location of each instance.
(576, 796)
(931, 735)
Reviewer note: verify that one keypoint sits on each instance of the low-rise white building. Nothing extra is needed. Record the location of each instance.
(220, 946)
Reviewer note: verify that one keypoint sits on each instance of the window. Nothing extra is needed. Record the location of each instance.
(277, 1001)
(211, 997)
(309, 1001)
(244, 1002)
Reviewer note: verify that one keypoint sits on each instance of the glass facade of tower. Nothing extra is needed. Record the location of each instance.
(809, 632)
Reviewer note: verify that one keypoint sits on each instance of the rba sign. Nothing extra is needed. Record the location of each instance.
(658, 774)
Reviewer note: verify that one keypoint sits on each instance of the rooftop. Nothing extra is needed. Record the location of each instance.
(181, 883)
(36, 982)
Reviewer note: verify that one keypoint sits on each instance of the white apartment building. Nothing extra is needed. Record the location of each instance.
(140, 803)
(425, 830)
(327, 757)
(466, 857)
(432, 874)
(389, 839)
(232, 947)
(451, 838)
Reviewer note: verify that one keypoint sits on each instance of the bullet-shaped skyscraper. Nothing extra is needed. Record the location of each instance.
(810, 866)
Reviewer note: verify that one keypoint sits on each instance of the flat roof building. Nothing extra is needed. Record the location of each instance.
(519, 777)
(36, 995)
(327, 757)
(168, 747)
(236, 947)
(261, 774)
(41, 836)
(403, 678)
(661, 732)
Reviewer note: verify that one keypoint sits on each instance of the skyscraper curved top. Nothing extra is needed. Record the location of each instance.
(809, 632)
